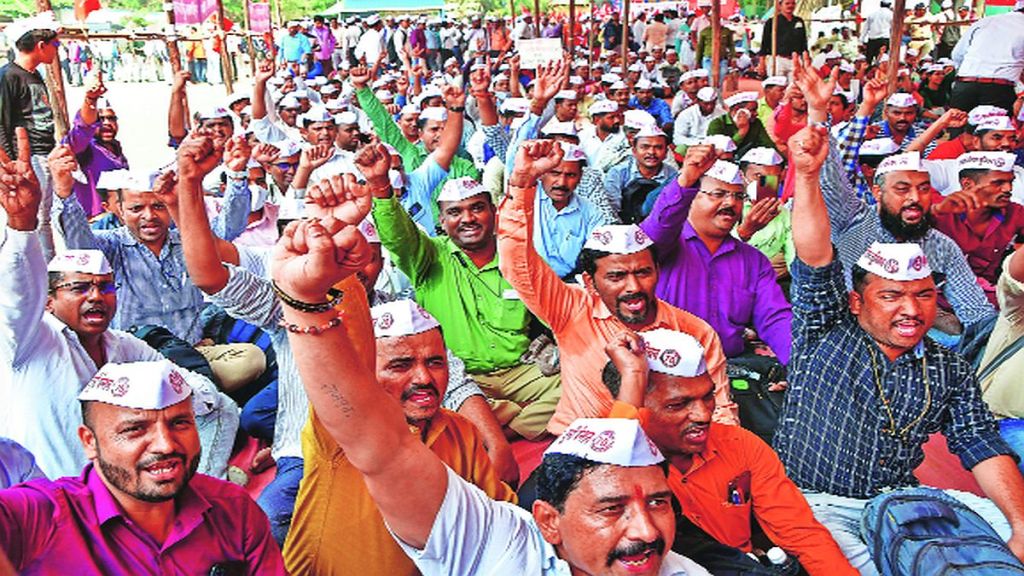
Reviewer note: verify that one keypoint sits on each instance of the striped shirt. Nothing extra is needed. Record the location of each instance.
(833, 434)
(855, 225)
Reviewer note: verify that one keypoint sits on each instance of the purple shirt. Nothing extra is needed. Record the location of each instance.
(94, 159)
(327, 42)
(74, 526)
(730, 289)
(418, 38)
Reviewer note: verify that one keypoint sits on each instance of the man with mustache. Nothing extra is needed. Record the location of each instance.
(867, 349)
(603, 504)
(691, 125)
(646, 168)
(899, 122)
(604, 130)
(981, 218)
(337, 526)
(742, 124)
(619, 270)
(93, 139)
(996, 133)
(708, 272)
(138, 507)
(724, 477)
(55, 323)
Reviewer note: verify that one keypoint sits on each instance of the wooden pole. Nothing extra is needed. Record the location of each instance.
(625, 36)
(512, 12)
(277, 9)
(775, 39)
(55, 87)
(591, 39)
(250, 47)
(227, 74)
(981, 9)
(895, 41)
(174, 55)
(571, 32)
(716, 45)
(536, 16)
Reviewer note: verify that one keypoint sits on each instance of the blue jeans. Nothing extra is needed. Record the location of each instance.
(278, 499)
(722, 68)
(260, 413)
(1012, 431)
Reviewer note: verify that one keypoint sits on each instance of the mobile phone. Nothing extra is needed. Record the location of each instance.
(766, 186)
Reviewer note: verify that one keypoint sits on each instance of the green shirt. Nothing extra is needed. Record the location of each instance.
(412, 154)
(776, 237)
(484, 322)
(756, 135)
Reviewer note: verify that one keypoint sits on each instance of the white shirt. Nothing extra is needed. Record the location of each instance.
(474, 535)
(44, 366)
(270, 132)
(342, 162)
(370, 45)
(945, 177)
(992, 47)
(680, 102)
(691, 125)
(878, 24)
(592, 145)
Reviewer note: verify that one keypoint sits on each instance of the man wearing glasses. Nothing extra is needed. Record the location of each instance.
(708, 272)
(25, 105)
(54, 336)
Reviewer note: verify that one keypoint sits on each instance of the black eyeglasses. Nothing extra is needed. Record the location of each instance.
(719, 195)
(82, 288)
(112, 118)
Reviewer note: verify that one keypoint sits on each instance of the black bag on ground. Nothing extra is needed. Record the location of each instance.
(750, 375)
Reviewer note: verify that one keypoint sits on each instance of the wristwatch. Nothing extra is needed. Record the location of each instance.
(459, 109)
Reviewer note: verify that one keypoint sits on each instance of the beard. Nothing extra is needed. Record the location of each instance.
(129, 483)
(900, 229)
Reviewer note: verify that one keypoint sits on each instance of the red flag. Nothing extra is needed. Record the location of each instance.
(84, 7)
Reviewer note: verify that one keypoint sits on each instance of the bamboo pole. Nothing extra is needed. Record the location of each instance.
(227, 74)
(571, 33)
(591, 40)
(716, 45)
(536, 16)
(174, 55)
(625, 36)
(895, 41)
(512, 12)
(775, 39)
(55, 87)
(250, 47)
(277, 9)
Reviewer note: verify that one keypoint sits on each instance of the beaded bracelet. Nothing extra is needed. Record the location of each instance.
(334, 297)
(312, 330)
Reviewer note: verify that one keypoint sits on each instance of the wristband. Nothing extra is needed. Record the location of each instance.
(334, 297)
(459, 109)
(236, 174)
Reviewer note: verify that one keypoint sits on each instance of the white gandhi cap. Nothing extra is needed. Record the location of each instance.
(617, 441)
(84, 261)
(900, 262)
(618, 239)
(673, 353)
(401, 318)
(138, 385)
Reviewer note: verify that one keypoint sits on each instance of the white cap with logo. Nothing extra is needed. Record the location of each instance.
(84, 261)
(617, 441)
(401, 318)
(997, 161)
(618, 239)
(725, 172)
(138, 385)
(908, 162)
(763, 156)
(901, 262)
(458, 189)
(674, 353)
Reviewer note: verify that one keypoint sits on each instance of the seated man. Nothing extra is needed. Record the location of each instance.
(619, 270)
(691, 125)
(900, 122)
(660, 378)
(630, 183)
(489, 327)
(644, 100)
(55, 335)
(598, 510)
(710, 274)
(981, 218)
(867, 348)
(993, 134)
(138, 507)
(604, 131)
(337, 527)
(766, 223)
(742, 124)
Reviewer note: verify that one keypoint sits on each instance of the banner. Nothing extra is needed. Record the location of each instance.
(259, 17)
(538, 51)
(193, 11)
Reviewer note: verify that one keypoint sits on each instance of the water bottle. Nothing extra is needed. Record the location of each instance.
(782, 562)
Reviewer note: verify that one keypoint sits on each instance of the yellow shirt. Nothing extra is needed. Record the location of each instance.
(337, 529)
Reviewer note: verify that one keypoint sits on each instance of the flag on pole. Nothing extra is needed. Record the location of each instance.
(84, 7)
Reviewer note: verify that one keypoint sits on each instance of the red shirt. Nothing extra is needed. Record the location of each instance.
(948, 150)
(985, 252)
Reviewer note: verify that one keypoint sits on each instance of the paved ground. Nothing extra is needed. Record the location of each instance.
(142, 115)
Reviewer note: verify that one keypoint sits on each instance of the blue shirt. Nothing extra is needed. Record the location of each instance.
(561, 233)
(658, 108)
(620, 175)
(835, 434)
(17, 464)
(417, 197)
(295, 48)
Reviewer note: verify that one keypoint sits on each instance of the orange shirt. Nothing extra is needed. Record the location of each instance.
(583, 325)
(337, 528)
(734, 456)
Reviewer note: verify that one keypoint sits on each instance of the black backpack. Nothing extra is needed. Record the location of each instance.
(173, 348)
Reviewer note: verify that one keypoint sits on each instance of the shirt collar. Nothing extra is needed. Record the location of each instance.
(573, 206)
(727, 245)
(465, 260)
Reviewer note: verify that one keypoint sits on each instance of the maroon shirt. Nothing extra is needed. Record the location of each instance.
(985, 253)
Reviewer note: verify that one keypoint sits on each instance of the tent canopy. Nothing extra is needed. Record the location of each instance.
(368, 6)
